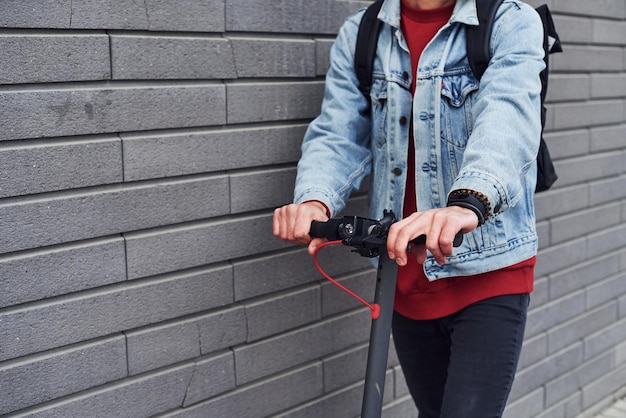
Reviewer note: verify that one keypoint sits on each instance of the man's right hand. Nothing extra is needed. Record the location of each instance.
(292, 223)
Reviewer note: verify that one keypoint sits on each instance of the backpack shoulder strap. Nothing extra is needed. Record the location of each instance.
(477, 37)
(546, 173)
(366, 42)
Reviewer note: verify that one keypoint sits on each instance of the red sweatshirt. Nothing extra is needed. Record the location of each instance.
(416, 297)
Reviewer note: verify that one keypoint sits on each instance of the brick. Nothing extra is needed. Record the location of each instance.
(345, 402)
(558, 201)
(260, 102)
(222, 329)
(601, 293)
(540, 295)
(569, 143)
(35, 14)
(607, 190)
(543, 233)
(606, 86)
(289, 17)
(609, 32)
(150, 156)
(559, 389)
(578, 276)
(335, 300)
(551, 367)
(585, 114)
(160, 345)
(608, 138)
(261, 399)
(275, 272)
(33, 167)
(604, 8)
(400, 386)
(400, 408)
(36, 327)
(596, 166)
(573, 28)
(172, 57)
(345, 368)
(41, 58)
(90, 110)
(587, 58)
(273, 355)
(620, 353)
(211, 376)
(67, 217)
(537, 3)
(274, 57)
(323, 47)
(50, 272)
(63, 372)
(568, 87)
(603, 387)
(527, 406)
(570, 407)
(584, 222)
(554, 313)
(186, 15)
(607, 240)
(255, 190)
(143, 396)
(534, 350)
(181, 247)
(283, 312)
(578, 327)
(604, 339)
(560, 257)
(109, 14)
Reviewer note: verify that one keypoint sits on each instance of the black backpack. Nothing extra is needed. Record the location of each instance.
(478, 54)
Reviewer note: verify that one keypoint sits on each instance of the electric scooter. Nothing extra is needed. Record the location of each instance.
(368, 237)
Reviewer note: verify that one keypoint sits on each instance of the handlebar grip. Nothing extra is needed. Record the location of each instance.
(421, 240)
(318, 229)
(328, 229)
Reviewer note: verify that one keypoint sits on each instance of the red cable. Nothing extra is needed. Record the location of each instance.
(375, 308)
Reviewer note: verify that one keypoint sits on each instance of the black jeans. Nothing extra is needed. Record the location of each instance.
(463, 365)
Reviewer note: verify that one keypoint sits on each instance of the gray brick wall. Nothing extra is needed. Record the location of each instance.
(143, 147)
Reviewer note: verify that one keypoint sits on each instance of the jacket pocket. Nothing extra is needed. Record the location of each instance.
(378, 97)
(456, 108)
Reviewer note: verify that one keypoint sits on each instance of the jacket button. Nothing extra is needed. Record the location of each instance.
(397, 171)
(405, 75)
(403, 120)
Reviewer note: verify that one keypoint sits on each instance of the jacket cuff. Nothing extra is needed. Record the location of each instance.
(475, 201)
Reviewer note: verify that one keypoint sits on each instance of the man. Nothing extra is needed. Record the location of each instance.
(448, 156)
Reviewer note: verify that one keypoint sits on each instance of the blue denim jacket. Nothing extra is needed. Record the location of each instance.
(466, 137)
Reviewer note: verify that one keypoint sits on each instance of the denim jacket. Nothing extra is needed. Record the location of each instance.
(484, 139)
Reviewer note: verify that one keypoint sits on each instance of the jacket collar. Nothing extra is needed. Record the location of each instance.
(464, 12)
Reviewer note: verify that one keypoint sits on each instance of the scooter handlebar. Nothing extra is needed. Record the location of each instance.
(363, 233)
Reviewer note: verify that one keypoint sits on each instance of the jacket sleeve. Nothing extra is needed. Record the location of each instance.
(506, 111)
(335, 150)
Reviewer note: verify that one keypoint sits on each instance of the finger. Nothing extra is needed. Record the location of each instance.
(433, 240)
(401, 233)
(315, 244)
(446, 239)
(397, 244)
(420, 253)
(276, 223)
